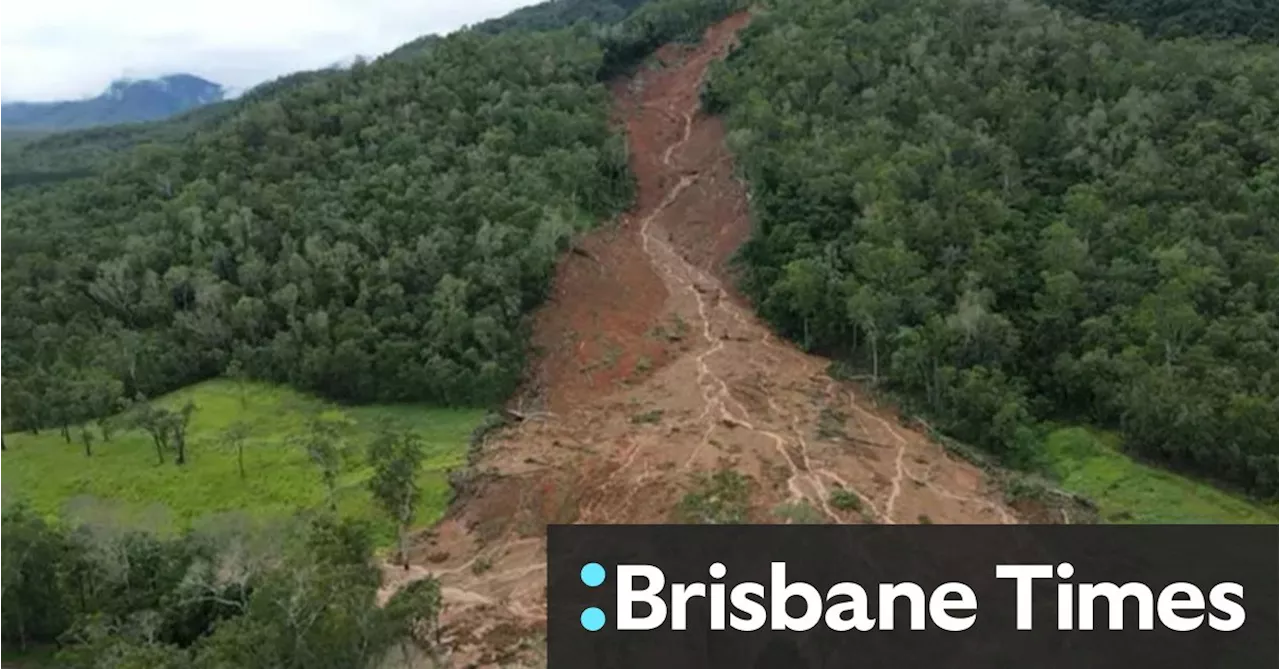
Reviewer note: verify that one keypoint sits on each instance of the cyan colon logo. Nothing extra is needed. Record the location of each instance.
(592, 575)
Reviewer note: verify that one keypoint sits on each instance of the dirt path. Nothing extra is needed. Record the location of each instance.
(652, 370)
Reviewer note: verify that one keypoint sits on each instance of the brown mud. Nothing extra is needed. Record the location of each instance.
(652, 369)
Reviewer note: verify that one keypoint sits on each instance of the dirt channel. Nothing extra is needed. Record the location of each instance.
(652, 370)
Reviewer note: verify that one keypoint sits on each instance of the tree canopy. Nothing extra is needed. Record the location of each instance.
(1252, 19)
(1010, 214)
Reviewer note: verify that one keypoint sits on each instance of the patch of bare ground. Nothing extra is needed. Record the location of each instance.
(652, 370)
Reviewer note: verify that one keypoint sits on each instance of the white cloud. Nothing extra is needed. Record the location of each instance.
(61, 49)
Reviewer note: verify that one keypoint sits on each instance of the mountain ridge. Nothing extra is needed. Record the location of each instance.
(125, 100)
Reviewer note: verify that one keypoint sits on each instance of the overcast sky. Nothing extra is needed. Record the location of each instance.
(65, 49)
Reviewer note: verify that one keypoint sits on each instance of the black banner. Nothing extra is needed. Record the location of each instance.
(671, 597)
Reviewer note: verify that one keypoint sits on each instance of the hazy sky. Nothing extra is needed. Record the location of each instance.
(59, 49)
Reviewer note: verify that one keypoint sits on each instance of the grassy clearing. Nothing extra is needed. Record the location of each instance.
(1089, 463)
(51, 474)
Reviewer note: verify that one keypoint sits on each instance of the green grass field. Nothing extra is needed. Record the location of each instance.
(123, 477)
(1089, 463)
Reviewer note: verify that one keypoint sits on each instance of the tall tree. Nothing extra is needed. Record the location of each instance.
(157, 422)
(323, 443)
(396, 457)
(235, 436)
(179, 421)
(86, 440)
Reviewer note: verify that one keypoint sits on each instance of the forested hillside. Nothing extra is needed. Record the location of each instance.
(38, 157)
(49, 158)
(372, 234)
(389, 224)
(1252, 19)
(561, 14)
(1012, 215)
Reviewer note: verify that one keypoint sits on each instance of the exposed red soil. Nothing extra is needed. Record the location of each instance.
(650, 371)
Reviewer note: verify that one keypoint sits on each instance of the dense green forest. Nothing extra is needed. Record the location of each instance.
(1009, 214)
(544, 16)
(377, 234)
(391, 224)
(1252, 19)
(561, 14)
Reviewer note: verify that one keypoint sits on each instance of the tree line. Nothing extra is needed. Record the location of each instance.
(1011, 215)
(1252, 19)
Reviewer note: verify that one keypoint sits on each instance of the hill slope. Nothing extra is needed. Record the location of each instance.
(390, 223)
(38, 157)
(378, 233)
(124, 101)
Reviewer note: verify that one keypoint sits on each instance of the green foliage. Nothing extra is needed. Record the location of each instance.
(1089, 464)
(723, 498)
(558, 14)
(279, 477)
(32, 590)
(323, 443)
(1004, 238)
(294, 594)
(1254, 19)
(846, 500)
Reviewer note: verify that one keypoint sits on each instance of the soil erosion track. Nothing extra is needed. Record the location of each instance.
(651, 370)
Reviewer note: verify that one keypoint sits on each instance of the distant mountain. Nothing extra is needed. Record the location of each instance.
(124, 101)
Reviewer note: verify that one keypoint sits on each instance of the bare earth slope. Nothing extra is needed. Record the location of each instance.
(652, 370)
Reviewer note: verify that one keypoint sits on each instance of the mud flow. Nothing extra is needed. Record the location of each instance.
(652, 370)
